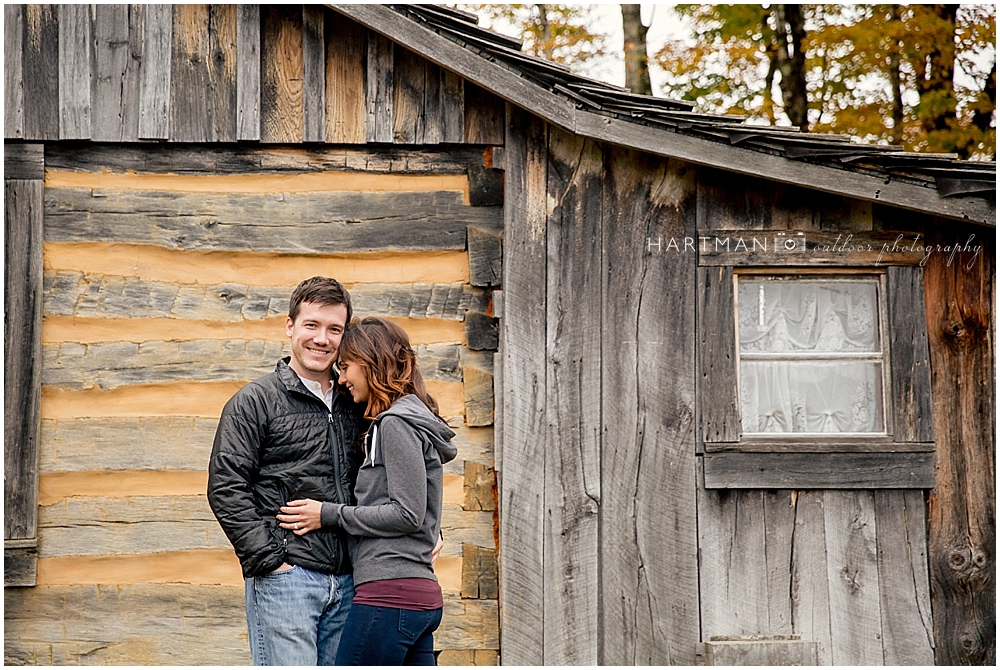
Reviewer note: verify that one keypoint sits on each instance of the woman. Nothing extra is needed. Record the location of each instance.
(395, 525)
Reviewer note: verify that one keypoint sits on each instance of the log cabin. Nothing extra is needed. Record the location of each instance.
(724, 393)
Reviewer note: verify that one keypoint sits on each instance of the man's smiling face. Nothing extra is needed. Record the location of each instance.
(316, 334)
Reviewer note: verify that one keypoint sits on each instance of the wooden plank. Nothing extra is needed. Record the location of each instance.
(478, 387)
(281, 73)
(485, 256)
(461, 527)
(313, 74)
(484, 116)
(485, 186)
(717, 385)
(171, 624)
(481, 331)
(282, 223)
(479, 487)
(960, 293)
(408, 86)
(115, 82)
(41, 76)
(222, 72)
(795, 208)
(22, 353)
(852, 569)
(452, 107)
(379, 93)
(904, 590)
(913, 419)
(433, 113)
(469, 624)
(521, 479)
(229, 160)
(798, 248)
(730, 202)
(910, 470)
(13, 73)
(761, 652)
(23, 160)
(82, 295)
(248, 72)
(346, 47)
(19, 567)
(155, 72)
(840, 213)
(649, 541)
(819, 446)
(810, 587)
(75, 57)
(190, 103)
(468, 657)
(779, 533)
(479, 572)
(573, 394)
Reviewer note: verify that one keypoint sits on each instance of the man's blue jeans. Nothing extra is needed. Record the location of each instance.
(388, 636)
(296, 616)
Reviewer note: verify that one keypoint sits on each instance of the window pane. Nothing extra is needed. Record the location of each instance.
(811, 397)
(808, 316)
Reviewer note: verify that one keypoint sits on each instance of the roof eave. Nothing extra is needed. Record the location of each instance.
(561, 112)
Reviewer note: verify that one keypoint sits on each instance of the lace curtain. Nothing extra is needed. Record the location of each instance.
(794, 374)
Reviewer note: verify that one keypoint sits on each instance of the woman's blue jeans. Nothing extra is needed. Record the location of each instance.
(296, 616)
(388, 636)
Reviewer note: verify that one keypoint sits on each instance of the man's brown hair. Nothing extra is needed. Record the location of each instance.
(320, 291)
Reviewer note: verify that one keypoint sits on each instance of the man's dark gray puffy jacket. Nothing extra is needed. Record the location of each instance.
(277, 442)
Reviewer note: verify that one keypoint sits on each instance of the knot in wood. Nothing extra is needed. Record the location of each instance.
(958, 559)
(979, 558)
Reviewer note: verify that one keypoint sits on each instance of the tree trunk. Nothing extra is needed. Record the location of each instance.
(791, 34)
(636, 60)
(895, 80)
(936, 87)
(543, 21)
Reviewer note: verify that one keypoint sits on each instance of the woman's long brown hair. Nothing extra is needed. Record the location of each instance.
(383, 350)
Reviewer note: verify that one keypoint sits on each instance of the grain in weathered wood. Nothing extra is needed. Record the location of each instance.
(824, 445)
(346, 48)
(760, 652)
(779, 528)
(452, 94)
(913, 412)
(321, 222)
(465, 527)
(728, 201)
(908, 470)
(168, 624)
(248, 72)
(469, 624)
(281, 73)
(573, 393)
(20, 567)
(479, 572)
(960, 293)
(155, 72)
(479, 487)
(181, 159)
(84, 526)
(485, 256)
(68, 293)
(852, 569)
(79, 445)
(75, 57)
(109, 365)
(485, 186)
(717, 388)
(41, 74)
(478, 387)
(23, 161)
(313, 74)
(433, 114)
(905, 599)
(481, 331)
(409, 92)
(13, 72)
(649, 540)
(839, 213)
(794, 208)
(474, 444)
(798, 248)
(379, 93)
(22, 353)
(484, 116)
(115, 84)
(810, 590)
(522, 492)
(468, 657)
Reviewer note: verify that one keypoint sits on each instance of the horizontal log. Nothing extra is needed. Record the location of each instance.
(479, 572)
(319, 223)
(819, 446)
(485, 256)
(54, 487)
(462, 527)
(157, 264)
(480, 487)
(468, 657)
(238, 160)
(71, 445)
(110, 365)
(19, 566)
(819, 471)
(257, 183)
(23, 161)
(474, 444)
(485, 186)
(800, 248)
(87, 526)
(482, 332)
(469, 624)
(199, 566)
(204, 399)
(139, 624)
(70, 293)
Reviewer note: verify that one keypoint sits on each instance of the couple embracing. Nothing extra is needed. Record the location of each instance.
(326, 477)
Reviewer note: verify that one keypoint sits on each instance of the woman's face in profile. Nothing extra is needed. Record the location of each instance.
(352, 376)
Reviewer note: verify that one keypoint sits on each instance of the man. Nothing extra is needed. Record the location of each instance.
(290, 436)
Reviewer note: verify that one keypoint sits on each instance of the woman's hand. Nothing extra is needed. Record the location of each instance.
(301, 516)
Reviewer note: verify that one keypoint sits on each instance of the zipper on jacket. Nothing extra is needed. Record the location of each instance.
(336, 459)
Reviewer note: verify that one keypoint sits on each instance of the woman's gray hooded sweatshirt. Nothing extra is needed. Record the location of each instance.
(396, 522)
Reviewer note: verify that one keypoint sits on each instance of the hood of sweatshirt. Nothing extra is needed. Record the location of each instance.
(412, 410)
